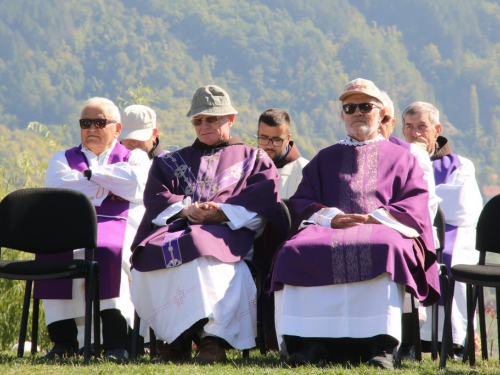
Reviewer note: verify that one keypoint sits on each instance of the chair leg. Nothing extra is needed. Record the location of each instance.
(434, 329)
(497, 292)
(24, 318)
(246, 353)
(447, 343)
(34, 326)
(416, 331)
(89, 294)
(97, 311)
(135, 336)
(470, 350)
(152, 343)
(482, 322)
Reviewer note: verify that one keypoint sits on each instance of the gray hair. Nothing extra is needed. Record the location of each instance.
(422, 107)
(105, 104)
(388, 104)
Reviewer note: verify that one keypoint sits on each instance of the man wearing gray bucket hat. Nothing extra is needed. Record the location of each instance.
(205, 205)
(139, 130)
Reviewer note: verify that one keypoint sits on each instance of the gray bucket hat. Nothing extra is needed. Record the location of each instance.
(211, 100)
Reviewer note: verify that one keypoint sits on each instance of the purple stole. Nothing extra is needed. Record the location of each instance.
(111, 226)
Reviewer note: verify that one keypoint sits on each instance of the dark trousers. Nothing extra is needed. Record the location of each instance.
(114, 330)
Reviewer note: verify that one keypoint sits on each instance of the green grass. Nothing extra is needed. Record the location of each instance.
(257, 364)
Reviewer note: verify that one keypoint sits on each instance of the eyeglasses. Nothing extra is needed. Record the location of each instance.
(350, 108)
(99, 123)
(199, 121)
(264, 141)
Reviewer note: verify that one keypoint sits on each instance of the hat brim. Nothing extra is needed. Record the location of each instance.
(138, 135)
(212, 111)
(352, 92)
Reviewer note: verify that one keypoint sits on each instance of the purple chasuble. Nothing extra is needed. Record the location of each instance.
(111, 226)
(399, 142)
(360, 179)
(231, 173)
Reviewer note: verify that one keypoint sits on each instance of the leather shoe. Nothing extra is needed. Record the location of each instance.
(312, 353)
(169, 354)
(381, 356)
(211, 351)
(116, 355)
(63, 349)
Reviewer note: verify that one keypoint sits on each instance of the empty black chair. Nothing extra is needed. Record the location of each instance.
(49, 221)
(478, 276)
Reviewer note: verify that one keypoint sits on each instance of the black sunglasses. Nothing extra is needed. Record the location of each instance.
(199, 121)
(99, 123)
(350, 108)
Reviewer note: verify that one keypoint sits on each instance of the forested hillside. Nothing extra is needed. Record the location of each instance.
(293, 54)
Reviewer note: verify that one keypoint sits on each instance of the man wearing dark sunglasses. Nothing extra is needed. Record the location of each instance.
(113, 178)
(205, 205)
(363, 235)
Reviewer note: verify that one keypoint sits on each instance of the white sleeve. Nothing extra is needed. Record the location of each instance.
(125, 179)
(60, 175)
(240, 217)
(425, 163)
(161, 219)
(323, 218)
(462, 202)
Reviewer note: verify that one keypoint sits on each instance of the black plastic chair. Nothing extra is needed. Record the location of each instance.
(476, 277)
(49, 221)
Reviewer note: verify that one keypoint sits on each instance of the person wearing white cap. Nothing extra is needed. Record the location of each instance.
(362, 236)
(139, 130)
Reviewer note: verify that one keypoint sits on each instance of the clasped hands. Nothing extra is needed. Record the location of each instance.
(206, 212)
(342, 221)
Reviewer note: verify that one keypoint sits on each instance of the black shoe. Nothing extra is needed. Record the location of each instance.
(408, 352)
(458, 352)
(381, 356)
(116, 355)
(312, 353)
(63, 349)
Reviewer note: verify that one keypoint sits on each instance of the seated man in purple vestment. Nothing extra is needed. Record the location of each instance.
(205, 205)
(461, 203)
(114, 179)
(361, 236)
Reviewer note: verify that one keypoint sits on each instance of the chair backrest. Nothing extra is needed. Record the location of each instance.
(286, 213)
(47, 220)
(488, 227)
(440, 225)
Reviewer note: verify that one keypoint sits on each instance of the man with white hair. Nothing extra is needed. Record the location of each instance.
(461, 203)
(113, 178)
(139, 130)
(362, 235)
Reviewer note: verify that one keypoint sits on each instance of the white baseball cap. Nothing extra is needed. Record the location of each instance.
(138, 122)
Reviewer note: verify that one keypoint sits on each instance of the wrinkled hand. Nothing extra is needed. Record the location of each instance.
(343, 221)
(207, 212)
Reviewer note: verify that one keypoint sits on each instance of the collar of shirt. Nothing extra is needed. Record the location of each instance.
(350, 141)
(284, 155)
(102, 156)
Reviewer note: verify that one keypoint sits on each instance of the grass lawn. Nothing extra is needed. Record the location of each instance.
(257, 364)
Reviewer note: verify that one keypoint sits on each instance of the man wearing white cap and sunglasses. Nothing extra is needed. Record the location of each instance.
(139, 130)
(362, 235)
